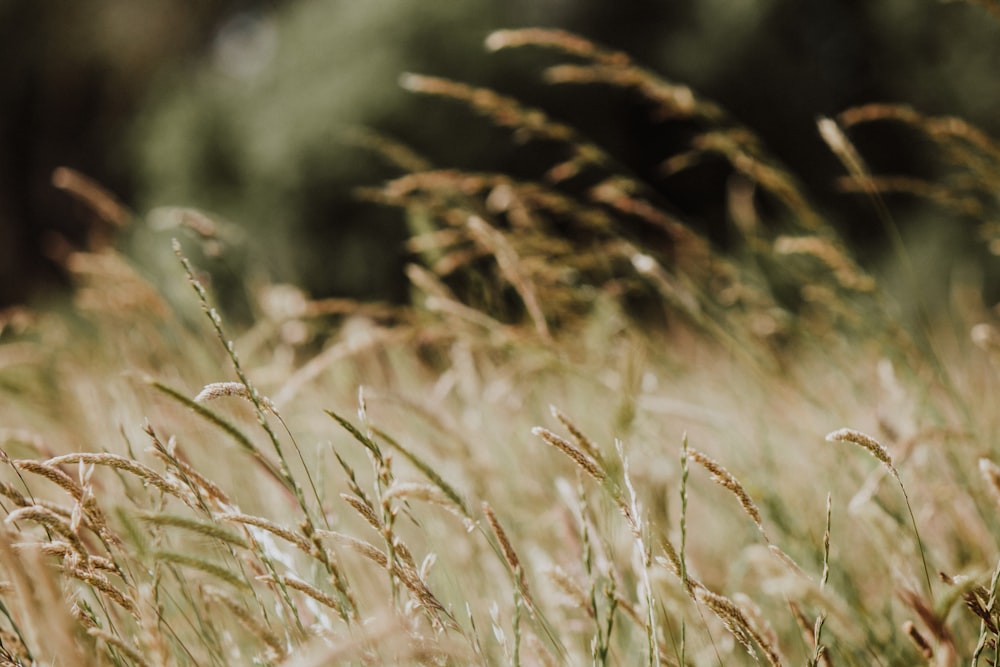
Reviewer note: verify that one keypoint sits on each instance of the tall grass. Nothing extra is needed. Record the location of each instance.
(367, 484)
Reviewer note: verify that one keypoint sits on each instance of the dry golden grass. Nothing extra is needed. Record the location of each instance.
(456, 517)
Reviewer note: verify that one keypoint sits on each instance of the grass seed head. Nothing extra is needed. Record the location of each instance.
(865, 441)
(587, 464)
(219, 389)
(725, 479)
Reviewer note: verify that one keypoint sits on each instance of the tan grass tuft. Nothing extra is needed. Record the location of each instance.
(838, 142)
(865, 441)
(53, 474)
(66, 551)
(220, 389)
(52, 521)
(303, 587)
(101, 583)
(509, 553)
(557, 39)
(504, 111)
(259, 522)
(128, 465)
(96, 198)
(607, 67)
(585, 462)
(755, 615)
(787, 560)
(510, 266)
(725, 479)
(410, 578)
(672, 562)
(844, 270)
(188, 474)
(362, 508)
(8, 490)
(736, 620)
(582, 441)
(943, 129)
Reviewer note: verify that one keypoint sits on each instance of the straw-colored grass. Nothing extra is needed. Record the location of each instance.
(367, 484)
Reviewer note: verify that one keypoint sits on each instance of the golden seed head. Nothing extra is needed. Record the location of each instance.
(867, 442)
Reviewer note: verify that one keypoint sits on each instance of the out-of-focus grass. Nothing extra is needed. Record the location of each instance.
(592, 438)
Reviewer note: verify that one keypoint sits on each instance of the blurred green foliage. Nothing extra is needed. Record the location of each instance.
(255, 131)
(245, 109)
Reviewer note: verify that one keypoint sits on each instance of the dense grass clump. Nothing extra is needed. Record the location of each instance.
(591, 438)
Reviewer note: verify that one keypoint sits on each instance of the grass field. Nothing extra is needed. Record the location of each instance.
(591, 438)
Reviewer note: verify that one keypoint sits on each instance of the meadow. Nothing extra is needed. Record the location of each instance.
(591, 437)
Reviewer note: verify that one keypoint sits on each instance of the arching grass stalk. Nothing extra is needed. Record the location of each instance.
(261, 408)
(241, 439)
(635, 521)
(253, 395)
(876, 449)
(848, 155)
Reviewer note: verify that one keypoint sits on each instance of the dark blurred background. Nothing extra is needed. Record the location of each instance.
(245, 109)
